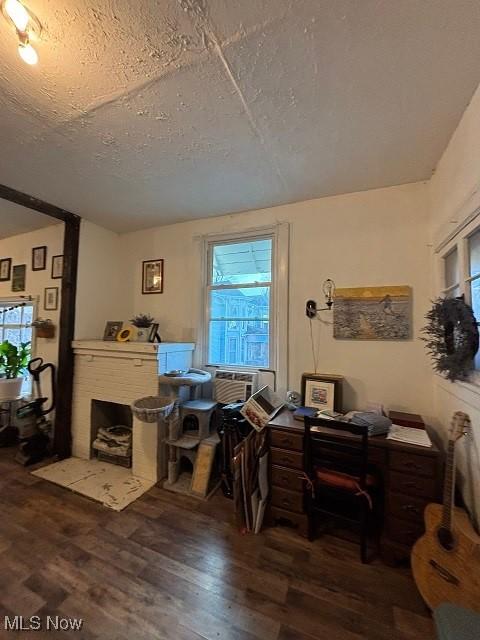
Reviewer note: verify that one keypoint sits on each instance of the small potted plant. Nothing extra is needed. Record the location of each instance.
(44, 328)
(13, 364)
(142, 322)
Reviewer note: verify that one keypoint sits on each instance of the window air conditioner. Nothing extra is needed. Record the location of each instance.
(234, 386)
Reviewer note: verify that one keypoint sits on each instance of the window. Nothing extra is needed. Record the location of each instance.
(452, 274)
(15, 326)
(460, 270)
(239, 302)
(474, 279)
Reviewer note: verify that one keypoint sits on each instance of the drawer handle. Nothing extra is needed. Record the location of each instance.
(287, 442)
(411, 485)
(286, 502)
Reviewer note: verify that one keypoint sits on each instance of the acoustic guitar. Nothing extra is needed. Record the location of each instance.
(446, 559)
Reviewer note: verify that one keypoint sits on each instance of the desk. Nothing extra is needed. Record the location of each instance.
(411, 477)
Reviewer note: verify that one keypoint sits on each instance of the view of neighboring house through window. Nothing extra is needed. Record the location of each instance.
(15, 327)
(239, 288)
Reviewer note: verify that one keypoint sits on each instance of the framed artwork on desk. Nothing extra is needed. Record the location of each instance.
(322, 391)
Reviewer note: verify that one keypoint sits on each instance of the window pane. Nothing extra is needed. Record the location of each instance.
(239, 343)
(474, 253)
(242, 262)
(475, 290)
(14, 316)
(452, 275)
(240, 303)
(27, 315)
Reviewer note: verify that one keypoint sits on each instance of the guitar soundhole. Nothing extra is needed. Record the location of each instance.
(446, 539)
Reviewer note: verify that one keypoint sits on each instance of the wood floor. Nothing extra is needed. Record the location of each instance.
(175, 568)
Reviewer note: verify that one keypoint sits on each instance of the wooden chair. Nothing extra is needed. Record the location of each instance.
(340, 483)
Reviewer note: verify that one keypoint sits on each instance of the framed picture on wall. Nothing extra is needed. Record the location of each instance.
(152, 276)
(39, 258)
(57, 267)
(50, 302)
(19, 274)
(5, 269)
(322, 392)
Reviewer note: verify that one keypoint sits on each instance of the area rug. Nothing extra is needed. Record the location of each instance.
(113, 486)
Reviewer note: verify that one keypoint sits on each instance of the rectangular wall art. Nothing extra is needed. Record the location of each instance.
(373, 313)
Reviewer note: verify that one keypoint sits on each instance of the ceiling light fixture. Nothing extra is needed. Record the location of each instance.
(26, 24)
(27, 53)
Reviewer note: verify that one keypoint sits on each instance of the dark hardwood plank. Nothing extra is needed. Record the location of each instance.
(174, 568)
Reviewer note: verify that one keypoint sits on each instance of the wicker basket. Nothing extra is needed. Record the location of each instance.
(151, 408)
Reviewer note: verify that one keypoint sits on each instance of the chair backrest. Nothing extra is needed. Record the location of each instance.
(336, 446)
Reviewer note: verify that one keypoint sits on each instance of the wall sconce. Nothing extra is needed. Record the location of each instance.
(328, 288)
(26, 24)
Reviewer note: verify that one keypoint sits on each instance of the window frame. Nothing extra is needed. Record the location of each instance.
(8, 301)
(278, 316)
(210, 286)
(459, 241)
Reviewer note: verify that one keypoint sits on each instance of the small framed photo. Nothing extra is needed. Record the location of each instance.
(322, 391)
(57, 267)
(112, 329)
(50, 302)
(39, 258)
(153, 334)
(152, 276)
(5, 269)
(19, 275)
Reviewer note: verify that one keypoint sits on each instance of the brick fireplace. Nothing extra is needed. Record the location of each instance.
(109, 376)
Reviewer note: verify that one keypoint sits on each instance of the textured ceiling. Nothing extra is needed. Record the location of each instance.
(15, 219)
(148, 112)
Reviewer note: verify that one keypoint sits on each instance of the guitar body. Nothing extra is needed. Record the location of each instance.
(448, 570)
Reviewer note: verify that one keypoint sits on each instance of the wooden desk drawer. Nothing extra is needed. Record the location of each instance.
(377, 456)
(412, 464)
(287, 479)
(290, 459)
(285, 440)
(404, 532)
(288, 500)
(411, 485)
(406, 507)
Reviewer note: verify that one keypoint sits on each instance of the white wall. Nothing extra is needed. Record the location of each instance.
(101, 291)
(19, 248)
(371, 238)
(454, 193)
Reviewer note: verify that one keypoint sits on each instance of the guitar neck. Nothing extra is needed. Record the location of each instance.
(449, 486)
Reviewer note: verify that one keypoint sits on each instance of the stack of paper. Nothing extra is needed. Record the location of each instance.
(409, 435)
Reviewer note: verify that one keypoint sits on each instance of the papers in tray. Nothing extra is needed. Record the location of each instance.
(409, 435)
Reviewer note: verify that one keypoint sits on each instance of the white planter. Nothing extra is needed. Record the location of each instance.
(142, 334)
(10, 389)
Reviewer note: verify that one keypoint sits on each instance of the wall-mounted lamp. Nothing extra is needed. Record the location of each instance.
(311, 308)
(26, 24)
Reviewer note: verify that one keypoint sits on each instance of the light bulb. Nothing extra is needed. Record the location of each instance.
(18, 14)
(28, 53)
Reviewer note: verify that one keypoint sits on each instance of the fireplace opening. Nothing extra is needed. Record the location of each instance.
(111, 432)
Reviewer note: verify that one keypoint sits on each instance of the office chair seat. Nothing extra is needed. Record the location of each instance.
(341, 480)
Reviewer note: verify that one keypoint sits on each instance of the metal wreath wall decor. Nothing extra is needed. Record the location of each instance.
(451, 337)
